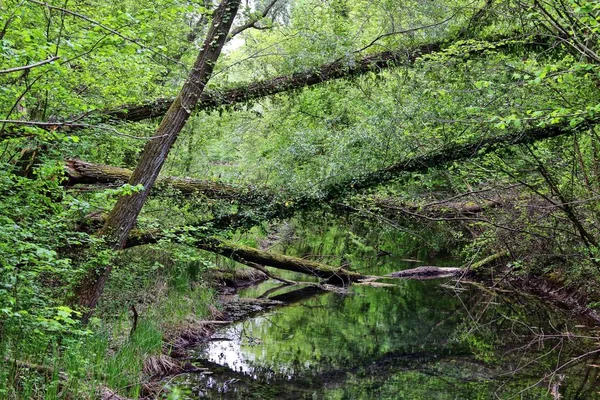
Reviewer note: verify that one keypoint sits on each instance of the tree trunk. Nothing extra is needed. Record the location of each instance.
(327, 72)
(339, 69)
(83, 172)
(212, 99)
(249, 255)
(124, 214)
(268, 206)
(283, 208)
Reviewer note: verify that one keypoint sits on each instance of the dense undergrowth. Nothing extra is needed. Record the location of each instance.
(49, 354)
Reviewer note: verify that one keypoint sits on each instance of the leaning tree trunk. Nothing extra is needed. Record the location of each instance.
(124, 214)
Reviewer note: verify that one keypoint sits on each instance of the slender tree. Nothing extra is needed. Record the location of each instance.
(125, 212)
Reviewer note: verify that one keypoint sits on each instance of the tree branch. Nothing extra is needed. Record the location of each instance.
(106, 28)
(252, 22)
(28, 67)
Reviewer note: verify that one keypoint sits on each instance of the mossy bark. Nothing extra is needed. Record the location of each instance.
(339, 69)
(83, 172)
(249, 255)
(124, 214)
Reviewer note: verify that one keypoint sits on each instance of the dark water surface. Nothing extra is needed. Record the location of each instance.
(417, 340)
(435, 339)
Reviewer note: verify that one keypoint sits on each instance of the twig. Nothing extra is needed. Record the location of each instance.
(399, 33)
(101, 25)
(253, 21)
(30, 66)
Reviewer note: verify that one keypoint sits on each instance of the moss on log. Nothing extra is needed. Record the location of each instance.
(338, 69)
(427, 272)
(83, 172)
(249, 255)
(246, 254)
(478, 147)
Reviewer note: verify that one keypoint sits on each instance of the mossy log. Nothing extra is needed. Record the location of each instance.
(246, 254)
(336, 70)
(83, 172)
(268, 207)
(330, 193)
(339, 69)
(249, 255)
(427, 272)
(489, 260)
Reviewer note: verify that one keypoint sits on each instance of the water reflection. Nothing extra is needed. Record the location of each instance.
(419, 339)
(415, 340)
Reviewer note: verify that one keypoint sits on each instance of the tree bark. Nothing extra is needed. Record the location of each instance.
(245, 255)
(339, 69)
(283, 208)
(327, 72)
(83, 172)
(250, 255)
(212, 99)
(267, 206)
(124, 214)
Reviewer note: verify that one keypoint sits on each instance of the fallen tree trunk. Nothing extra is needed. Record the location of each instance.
(246, 254)
(270, 207)
(287, 207)
(327, 72)
(211, 99)
(249, 255)
(83, 172)
(339, 69)
(427, 272)
(79, 172)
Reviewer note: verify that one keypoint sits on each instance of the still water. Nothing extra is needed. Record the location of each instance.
(434, 339)
(417, 340)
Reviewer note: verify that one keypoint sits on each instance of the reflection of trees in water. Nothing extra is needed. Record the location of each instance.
(469, 339)
(542, 346)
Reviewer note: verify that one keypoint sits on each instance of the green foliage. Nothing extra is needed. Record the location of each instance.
(290, 145)
(35, 226)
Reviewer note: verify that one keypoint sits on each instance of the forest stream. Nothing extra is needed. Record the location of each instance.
(413, 339)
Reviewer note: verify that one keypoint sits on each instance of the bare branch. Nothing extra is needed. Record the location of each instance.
(374, 41)
(252, 23)
(30, 66)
